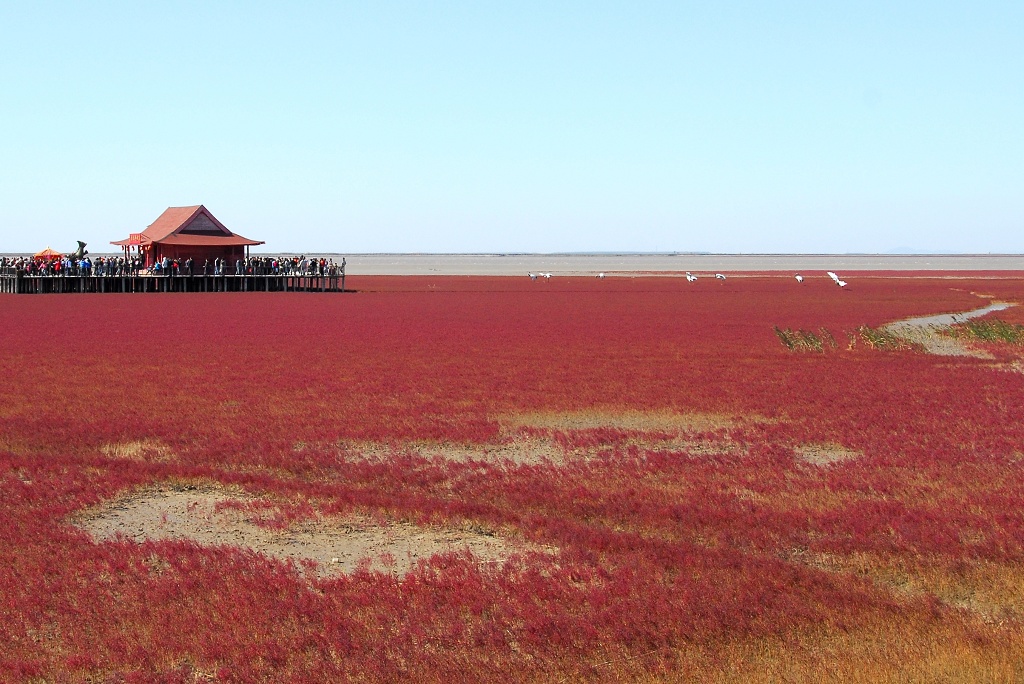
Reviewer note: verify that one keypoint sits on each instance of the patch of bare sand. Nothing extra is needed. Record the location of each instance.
(523, 450)
(645, 421)
(561, 437)
(545, 449)
(519, 451)
(824, 455)
(216, 517)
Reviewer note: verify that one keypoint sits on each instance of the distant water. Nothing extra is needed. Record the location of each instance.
(614, 264)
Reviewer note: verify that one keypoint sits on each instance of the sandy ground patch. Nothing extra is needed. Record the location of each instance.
(927, 331)
(516, 451)
(622, 420)
(570, 445)
(825, 454)
(214, 517)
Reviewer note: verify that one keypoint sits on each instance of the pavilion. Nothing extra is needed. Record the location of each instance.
(183, 232)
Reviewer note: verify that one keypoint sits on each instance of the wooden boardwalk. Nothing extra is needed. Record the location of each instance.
(34, 284)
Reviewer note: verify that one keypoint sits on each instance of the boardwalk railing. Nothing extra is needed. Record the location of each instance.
(14, 283)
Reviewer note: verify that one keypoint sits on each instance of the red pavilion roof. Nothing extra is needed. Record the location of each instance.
(193, 225)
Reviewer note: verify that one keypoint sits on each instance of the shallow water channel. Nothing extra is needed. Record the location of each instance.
(948, 319)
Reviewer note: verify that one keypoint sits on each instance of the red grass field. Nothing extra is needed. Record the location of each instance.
(726, 509)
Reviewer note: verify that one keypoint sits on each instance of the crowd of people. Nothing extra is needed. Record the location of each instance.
(134, 265)
(66, 266)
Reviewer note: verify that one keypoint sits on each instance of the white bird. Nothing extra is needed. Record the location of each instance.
(835, 279)
(600, 275)
(799, 278)
(546, 275)
(690, 277)
(720, 276)
(533, 276)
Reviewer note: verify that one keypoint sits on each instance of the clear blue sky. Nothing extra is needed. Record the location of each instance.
(521, 127)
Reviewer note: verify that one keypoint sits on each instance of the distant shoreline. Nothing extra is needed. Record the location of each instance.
(662, 264)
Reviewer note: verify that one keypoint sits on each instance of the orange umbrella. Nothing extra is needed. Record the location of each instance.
(48, 254)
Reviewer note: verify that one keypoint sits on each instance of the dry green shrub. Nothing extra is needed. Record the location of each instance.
(806, 340)
(880, 338)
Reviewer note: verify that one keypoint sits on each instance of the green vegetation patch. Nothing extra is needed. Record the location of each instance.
(993, 330)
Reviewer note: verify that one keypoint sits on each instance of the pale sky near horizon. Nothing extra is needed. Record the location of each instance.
(733, 127)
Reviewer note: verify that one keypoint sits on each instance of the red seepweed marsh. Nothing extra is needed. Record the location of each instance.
(574, 479)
